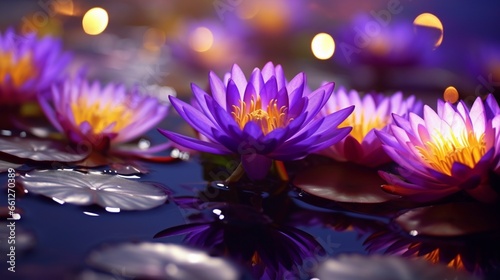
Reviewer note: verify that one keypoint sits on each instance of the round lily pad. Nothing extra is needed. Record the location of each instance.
(109, 191)
(161, 261)
(41, 149)
(343, 182)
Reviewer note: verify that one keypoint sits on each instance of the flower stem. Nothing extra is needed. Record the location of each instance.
(280, 167)
(236, 175)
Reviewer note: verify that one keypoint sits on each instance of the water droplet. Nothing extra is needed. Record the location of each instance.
(144, 144)
(6, 132)
(60, 201)
(112, 209)
(90, 214)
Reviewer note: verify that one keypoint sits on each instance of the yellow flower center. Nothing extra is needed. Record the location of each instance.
(19, 70)
(101, 115)
(362, 124)
(268, 120)
(442, 152)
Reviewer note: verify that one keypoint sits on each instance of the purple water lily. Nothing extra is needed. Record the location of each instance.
(28, 65)
(444, 152)
(262, 119)
(372, 112)
(89, 113)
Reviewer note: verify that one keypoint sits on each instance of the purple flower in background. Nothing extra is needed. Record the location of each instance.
(28, 65)
(102, 116)
(396, 43)
(262, 119)
(371, 113)
(445, 152)
(208, 44)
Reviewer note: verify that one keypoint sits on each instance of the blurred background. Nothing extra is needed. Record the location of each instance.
(419, 47)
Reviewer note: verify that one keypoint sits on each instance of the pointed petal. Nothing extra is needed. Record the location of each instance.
(218, 90)
(195, 144)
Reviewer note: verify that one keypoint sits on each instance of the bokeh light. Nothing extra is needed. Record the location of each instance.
(201, 39)
(95, 21)
(428, 20)
(323, 46)
(451, 94)
(154, 39)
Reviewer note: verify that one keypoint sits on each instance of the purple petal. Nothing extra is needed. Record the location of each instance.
(239, 79)
(252, 131)
(195, 144)
(268, 71)
(256, 166)
(353, 150)
(233, 96)
(218, 90)
(200, 96)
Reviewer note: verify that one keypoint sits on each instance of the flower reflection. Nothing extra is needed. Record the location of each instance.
(245, 234)
(89, 113)
(372, 112)
(28, 65)
(477, 254)
(445, 152)
(263, 119)
(347, 267)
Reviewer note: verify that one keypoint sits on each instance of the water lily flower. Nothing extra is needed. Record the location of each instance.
(102, 116)
(263, 119)
(372, 112)
(444, 152)
(28, 65)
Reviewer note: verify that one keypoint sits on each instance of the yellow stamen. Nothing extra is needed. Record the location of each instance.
(19, 70)
(101, 115)
(361, 124)
(441, 152)
(268, 120)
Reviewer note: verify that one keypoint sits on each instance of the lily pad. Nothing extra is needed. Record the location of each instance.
(343, 182)
(109, 191)
(452, 219)
(161, 261)
(40, 149)
(351, 267)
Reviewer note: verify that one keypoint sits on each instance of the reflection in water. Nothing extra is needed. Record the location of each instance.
(477, 254)
(250, 229)
(268, 250)
(347, 267)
